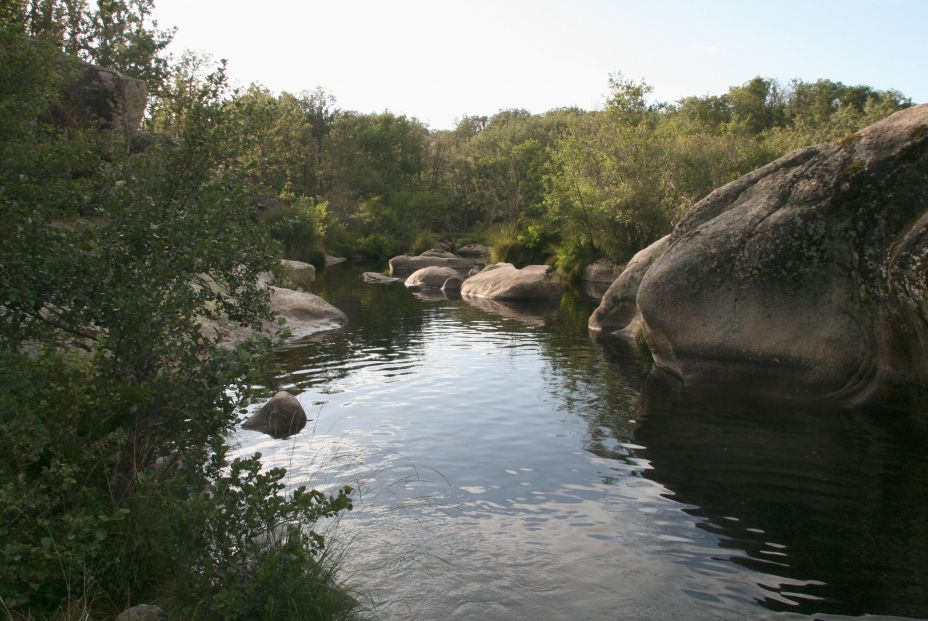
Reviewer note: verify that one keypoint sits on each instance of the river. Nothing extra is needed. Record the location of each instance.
(506, 466)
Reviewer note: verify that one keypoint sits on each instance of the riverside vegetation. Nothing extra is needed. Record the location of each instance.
(114, 404)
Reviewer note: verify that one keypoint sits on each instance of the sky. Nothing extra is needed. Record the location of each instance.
(438, 60)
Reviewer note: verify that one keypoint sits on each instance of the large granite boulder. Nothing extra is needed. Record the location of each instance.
(805, 278)
(304, 312)
(306, 270)
(280, 417)
(503, 281)
(430, 277)
(94, 95)
(406, 264)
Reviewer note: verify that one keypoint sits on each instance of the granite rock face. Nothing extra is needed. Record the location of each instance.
(807, 277)
(96, 95)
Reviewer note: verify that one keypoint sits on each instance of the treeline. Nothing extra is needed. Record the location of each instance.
(565, 185)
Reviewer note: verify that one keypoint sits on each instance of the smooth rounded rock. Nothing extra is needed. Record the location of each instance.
(282, 416)
(503, 281)
(432, 277)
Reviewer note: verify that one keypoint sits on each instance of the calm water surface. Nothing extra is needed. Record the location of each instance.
(508, 467)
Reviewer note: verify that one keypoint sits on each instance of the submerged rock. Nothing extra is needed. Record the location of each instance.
(503, 281)
(376, 278)
(330, 260)
(280, 417)
(430, 277)
(806, 277)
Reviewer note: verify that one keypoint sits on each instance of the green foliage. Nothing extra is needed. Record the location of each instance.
(571, 257)
(533, 246)
(117, 34)
(424, 241)
(300, 228)
(377, 247)
(116, 266)
(248, 551)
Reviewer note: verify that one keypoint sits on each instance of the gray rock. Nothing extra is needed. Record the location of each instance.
(474, 251)
(304, 312)
(330, 260)
(805, 278)
(503, 281)
(94, 95)
(430, 277)
(442, 253)
(603, 270)
(376, 278)
(282, 416)
(406, 264)
(143, 612)
(618, 310)
(299, 266)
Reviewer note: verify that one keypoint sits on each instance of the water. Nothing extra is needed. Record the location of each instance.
(508, 467)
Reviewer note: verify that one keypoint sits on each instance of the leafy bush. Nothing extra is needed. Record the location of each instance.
(571, 257)
(424, 241)
(298, 230)
(533, 246)
(113, 265)
(377, 247)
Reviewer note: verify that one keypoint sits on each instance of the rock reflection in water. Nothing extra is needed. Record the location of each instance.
(534, 312)
(836, 500)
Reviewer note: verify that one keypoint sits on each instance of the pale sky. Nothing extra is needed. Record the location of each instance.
(439, 60)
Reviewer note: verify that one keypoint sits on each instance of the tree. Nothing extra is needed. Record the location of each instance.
(117, 34)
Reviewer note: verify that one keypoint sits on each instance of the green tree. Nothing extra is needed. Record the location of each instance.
(116, 270)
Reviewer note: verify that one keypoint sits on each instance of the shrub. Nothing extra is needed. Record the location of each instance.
(105, 367)
(571, 257)
(377, 247)
(424, 241)
(530, 247)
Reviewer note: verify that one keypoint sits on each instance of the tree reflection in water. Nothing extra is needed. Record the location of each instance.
(836, 500)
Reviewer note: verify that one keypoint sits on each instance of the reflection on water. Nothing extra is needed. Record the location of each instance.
(511, 468)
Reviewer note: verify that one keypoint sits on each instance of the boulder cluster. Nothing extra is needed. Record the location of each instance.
(461, 274)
